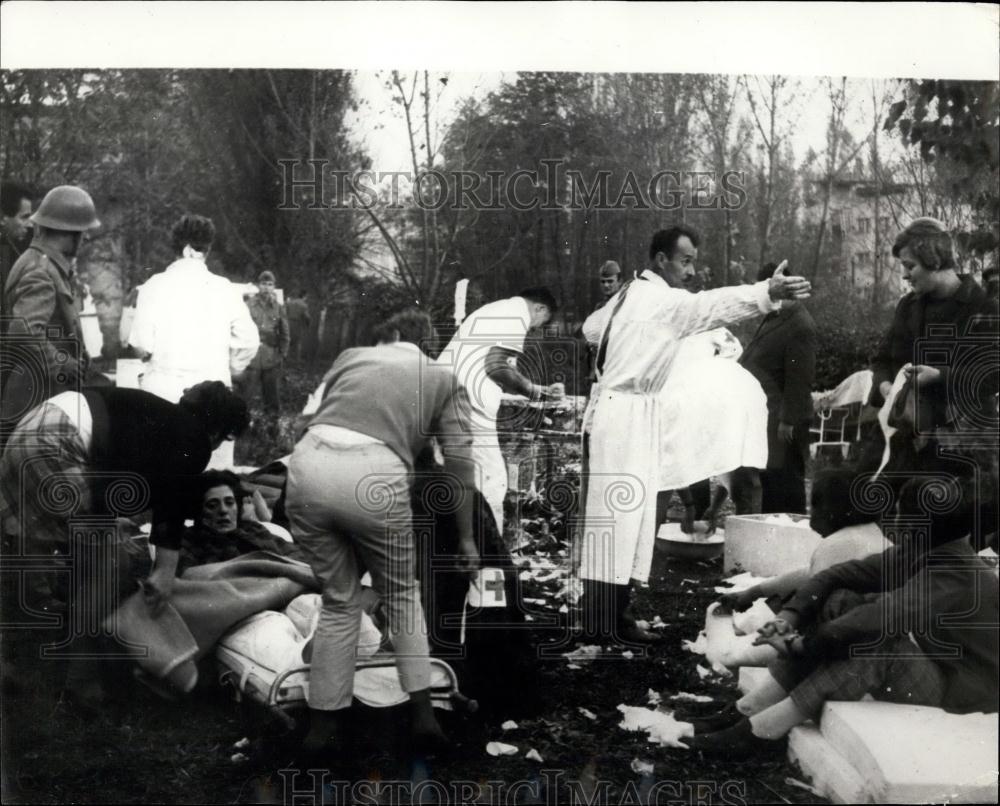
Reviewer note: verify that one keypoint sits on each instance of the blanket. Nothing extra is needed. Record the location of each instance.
(206, 602)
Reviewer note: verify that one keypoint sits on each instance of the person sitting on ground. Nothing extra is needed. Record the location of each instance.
(849, 533)
(877, 626)
(229, 522)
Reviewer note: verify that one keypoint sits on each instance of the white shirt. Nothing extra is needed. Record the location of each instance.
(194, 324)
(77, 409)
(647, 332)
(504, 324)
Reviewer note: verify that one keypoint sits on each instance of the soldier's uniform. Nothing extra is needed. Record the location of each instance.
(43, 339)
(275, 336)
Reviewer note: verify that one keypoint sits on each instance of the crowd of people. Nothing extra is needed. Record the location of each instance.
(674, 402)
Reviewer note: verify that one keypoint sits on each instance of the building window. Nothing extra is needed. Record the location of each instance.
(864, 225)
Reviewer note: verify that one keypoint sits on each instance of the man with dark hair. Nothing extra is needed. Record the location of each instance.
(275, 337)
(107, 450)
(782, 356)
(41, 299)
(640, 336)
(15, 228)
(483, 355)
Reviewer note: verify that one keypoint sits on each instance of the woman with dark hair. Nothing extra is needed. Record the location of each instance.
(192, 325)
(109, 452)
(228, 523)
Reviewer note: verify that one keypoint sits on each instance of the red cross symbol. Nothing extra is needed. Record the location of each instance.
(495, 584)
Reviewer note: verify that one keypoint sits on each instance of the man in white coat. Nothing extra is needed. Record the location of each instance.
(640, 335)
(483, 355)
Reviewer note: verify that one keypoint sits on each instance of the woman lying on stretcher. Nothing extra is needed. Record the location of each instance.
(229, 522)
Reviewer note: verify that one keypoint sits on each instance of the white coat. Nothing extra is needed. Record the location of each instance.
(624, 417)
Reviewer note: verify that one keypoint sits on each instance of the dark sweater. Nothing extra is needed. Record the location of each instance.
(136, 432)
(946, 599)
(949, 334)
(398, 395)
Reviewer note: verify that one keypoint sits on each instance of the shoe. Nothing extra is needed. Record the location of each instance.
(710, 723)
(735, 742)
(632, 633)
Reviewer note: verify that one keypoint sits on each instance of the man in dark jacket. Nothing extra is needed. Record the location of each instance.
(782, 356)
(15, 229)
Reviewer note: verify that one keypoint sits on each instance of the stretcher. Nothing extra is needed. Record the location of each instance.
(261, 660)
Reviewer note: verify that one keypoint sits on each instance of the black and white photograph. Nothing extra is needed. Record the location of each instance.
(528, 403)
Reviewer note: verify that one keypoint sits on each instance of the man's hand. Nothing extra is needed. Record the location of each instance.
(468, 557)
(786, 432)
(791, 287)
(922, 374)
(884, 388)
(739, 601)
(786, 644)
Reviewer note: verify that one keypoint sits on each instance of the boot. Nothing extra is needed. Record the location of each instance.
(425, 732)
(627, 629)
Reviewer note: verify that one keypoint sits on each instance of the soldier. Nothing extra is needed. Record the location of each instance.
(15, 231)
(272, 324)
(44, 340)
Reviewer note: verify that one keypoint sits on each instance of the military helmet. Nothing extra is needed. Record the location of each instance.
(66, 208)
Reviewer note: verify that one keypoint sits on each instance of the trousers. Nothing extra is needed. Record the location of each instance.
(345, 503)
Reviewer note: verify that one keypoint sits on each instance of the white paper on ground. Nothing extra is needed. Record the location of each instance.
(660, 726)
(683, 696)
(501, 749)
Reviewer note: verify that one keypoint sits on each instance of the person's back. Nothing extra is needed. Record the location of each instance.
(193, 311)
(393, 393)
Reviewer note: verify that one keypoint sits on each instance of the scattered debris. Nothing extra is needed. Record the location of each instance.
(699, 646)
(628, 654)
(238, 758)
(642, 767)
(501, 749)
(587, 713)
(660, 726)
(683, 696)
(244, 742)
(654, 697)
(703, 672)
(533, 755)
(510, 724)
(583, 654)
